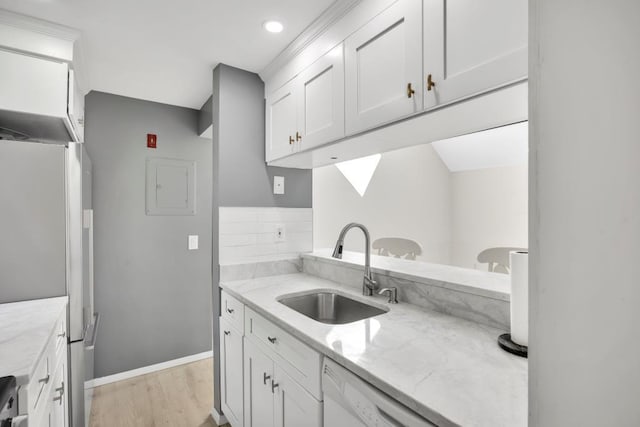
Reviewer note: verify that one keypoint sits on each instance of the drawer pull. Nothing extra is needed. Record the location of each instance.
(61, 391)
(430, 83)
(230, 310)
(274, 386)
(272, 340)
(62, 335)
(227, 332)
(45, 380)
(265, 378)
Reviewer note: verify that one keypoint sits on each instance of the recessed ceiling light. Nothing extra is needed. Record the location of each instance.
(273, 26)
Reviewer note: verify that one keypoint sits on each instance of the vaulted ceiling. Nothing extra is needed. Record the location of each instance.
(164, 50)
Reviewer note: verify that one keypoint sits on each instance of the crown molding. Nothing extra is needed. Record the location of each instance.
(330, 16)
(39, 26)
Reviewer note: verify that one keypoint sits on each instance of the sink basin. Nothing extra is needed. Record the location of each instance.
(330, 307)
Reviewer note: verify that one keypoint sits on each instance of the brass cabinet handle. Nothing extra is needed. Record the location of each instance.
(430, 83)
(265, 377)
(291, 141)
(272, 340)
(410, 91)
(298, 136)
(274, 386)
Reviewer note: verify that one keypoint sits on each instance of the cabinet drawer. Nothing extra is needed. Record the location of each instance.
(300, 361)
(232, 310)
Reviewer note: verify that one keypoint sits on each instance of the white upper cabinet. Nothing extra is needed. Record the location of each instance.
(321, 100)
(472, 46)
(308, 110)
(281, 122)
(383, 67)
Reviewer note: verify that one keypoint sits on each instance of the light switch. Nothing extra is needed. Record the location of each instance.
(193, 242)
(278, 185)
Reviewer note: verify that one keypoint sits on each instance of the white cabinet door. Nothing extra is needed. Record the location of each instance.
(473, 46)
(321, 100)
(281, 122)
(294, 406)
(258, 391)
(231, 381)
(381, 60)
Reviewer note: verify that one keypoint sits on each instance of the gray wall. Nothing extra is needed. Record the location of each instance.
(153, 294)
(241, 177)
(584, 353)
(32, 221)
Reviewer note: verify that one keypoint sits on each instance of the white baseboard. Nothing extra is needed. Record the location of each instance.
(219, 419)
(96, 382)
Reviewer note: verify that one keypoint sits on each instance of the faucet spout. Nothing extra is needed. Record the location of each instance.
(368, 284)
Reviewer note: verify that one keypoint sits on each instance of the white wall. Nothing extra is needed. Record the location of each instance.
(584, 353)
(412, 194)
(489, 209)
(249, 234)
(408, 196)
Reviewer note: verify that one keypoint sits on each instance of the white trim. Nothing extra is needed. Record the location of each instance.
(318, 27)
(218, 418)
(47, 28)
(96, 382)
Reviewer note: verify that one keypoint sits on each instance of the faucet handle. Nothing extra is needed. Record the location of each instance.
(393, 294)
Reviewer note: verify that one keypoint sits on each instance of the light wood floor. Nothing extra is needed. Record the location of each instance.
(180, 396)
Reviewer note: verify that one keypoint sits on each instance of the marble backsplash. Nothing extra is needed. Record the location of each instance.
(254, 270)
(429, 294)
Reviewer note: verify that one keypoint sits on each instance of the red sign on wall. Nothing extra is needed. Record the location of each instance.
(151, 140)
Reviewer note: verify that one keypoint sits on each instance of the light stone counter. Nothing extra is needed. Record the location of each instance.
(25, 328)
(449, 370)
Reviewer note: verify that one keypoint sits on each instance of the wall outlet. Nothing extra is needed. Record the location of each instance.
(193, 242)
(278, 185)
(280, 233)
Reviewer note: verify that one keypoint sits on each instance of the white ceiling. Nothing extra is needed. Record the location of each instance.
(164, 50)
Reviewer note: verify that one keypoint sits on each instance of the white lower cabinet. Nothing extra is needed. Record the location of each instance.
(272, 397)
(294, 406)
(44, 400)
(231, 384)
(268, 378)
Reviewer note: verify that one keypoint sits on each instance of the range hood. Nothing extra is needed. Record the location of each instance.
(35, 99)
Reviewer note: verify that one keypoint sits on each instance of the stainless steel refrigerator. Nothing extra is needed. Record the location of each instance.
(46, 243)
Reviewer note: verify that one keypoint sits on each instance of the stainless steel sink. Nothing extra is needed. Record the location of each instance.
(330, 307)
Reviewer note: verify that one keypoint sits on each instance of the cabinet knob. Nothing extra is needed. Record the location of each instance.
(227, 332)
(272, 340)
(298, 136)
(274, 386)
(265, 378)
(291, 141)
(230, 310)
(430, 83)
(410, 91)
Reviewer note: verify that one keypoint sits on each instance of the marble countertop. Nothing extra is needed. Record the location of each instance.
(449, 370)
(25, 328)
(492, 285)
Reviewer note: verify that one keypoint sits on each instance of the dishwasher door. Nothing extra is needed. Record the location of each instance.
(351, 402)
